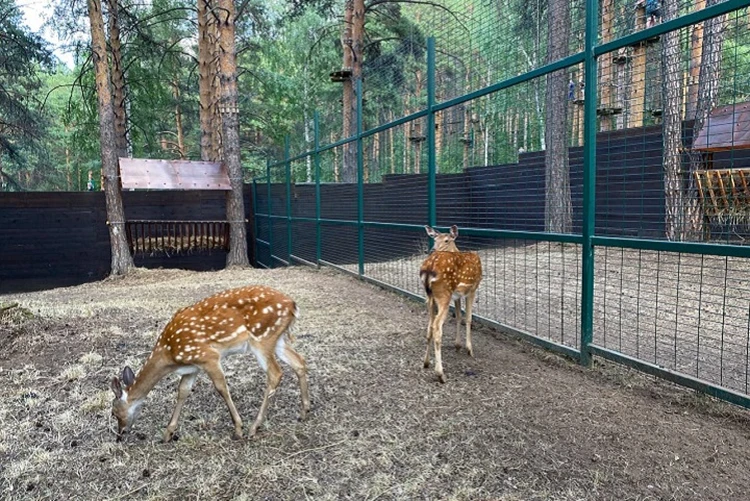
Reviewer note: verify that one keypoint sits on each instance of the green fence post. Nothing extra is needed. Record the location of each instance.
(589, 183)
(360, 184)
(270, 210)
(431, 160)
(254, 192)
(288, 169)
(316, 164)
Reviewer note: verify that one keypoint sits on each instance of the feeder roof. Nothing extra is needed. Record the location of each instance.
(727, 128)
(149, 174)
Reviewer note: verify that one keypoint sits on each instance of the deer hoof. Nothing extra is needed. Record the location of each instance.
(441, 378)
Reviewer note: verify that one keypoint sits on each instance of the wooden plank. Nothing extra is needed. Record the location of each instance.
(722, 189)
(709, 183)
(143, 173)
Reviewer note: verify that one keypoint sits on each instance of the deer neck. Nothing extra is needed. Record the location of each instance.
(451, 247)
(151, 373)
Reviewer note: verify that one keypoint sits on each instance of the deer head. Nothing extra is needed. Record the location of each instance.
(443, 241)
(122, 410)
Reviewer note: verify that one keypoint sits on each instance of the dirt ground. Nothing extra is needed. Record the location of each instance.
(688, 313)
(517, 423)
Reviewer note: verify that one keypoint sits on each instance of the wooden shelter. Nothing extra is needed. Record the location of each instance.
(724, 193)
(149, 237)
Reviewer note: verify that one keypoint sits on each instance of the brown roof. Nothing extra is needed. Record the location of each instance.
(143, 173)
(727, 127)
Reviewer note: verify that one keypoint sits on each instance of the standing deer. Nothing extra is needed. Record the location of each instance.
(199, 336)
(448, 273)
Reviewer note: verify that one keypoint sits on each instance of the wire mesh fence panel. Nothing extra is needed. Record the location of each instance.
(394, 177)
(640, 152)
(338, 196)
(339, 246)
(304, 241)
(488, 178)
(671, 151)
(395, 75)
(393, 257)
(685, 312)
(469, 36)
(530, 286)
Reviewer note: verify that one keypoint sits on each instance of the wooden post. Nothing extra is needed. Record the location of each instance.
(638, 72)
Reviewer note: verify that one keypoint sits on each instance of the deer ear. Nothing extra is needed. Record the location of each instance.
(454, 231)
(116, 387)
(128, 377)
(432, 233)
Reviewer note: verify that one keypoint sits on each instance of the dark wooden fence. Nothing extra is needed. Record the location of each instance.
(629, 200)
(59, 238)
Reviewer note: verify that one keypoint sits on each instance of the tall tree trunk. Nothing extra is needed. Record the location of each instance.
(351, 42)
(122, 261)
(672, 127)
(207, 82)
(638, 73)
(118, 80)
(708, 92)
(231, 135)
(694, 64)
(605, 64)
(558, 213)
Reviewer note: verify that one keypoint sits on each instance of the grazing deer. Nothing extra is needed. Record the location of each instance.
(448, 273)
(199, 336)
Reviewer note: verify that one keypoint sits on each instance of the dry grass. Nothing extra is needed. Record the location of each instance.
(515, 424)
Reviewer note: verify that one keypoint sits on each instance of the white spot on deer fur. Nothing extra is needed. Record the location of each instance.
(267, 309)
(258, 325)
(241, 302)
(178, 358)
(279, 305)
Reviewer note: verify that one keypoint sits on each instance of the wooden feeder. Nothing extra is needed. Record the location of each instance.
(608, 112)
(724, 193)
(621, 57)
(150, 237)
(342, 75)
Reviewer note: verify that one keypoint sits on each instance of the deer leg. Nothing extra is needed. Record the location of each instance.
(286, 354)
(437, 334)
(469, 303)
(273, 373)
(457, 304)
(216, 374)
(186, 384)
(431, 315)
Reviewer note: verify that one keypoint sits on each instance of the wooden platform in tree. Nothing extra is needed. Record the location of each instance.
(724, 194)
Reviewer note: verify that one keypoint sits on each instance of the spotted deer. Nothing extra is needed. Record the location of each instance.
(200, 336)
(448, 274)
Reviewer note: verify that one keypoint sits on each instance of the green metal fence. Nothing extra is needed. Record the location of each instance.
(612, 284)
